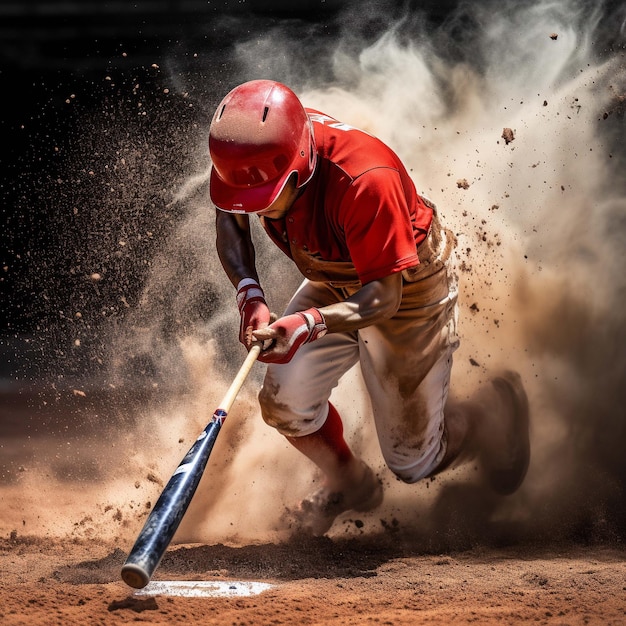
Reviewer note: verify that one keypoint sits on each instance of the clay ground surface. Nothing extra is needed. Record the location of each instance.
(360, 581)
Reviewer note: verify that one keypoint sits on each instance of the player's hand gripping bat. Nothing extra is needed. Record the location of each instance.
(171, 506)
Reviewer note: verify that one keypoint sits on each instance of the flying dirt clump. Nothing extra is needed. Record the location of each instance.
(508, 135)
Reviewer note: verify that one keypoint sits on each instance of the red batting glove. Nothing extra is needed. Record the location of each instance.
(290, 332)
(252, 308)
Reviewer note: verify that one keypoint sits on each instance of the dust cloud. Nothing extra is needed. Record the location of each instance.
(539, 216)
(518, 141)
(530, 119)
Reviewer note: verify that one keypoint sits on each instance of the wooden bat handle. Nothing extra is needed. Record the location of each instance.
(239, 379)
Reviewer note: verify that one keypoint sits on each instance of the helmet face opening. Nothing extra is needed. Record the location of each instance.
(260, 134)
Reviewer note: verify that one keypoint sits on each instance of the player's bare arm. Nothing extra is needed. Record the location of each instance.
(375, 301)
(234, 246)
(237, 255)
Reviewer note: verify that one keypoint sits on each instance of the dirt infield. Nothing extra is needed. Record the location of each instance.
(373, 580)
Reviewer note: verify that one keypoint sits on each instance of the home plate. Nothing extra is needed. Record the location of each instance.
(202, 588)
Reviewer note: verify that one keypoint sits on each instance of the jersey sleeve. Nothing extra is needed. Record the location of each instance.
(377, 225)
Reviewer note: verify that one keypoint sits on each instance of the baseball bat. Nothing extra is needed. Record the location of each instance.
(175, 498)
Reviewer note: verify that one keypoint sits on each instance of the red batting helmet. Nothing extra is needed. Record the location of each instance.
(259, 136)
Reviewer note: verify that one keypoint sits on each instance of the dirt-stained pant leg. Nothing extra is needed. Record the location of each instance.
(406, 364)
(294, 396)
(407, 361)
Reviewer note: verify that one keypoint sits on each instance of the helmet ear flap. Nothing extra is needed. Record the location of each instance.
(259, 135)
(308, 152)
(312, 153)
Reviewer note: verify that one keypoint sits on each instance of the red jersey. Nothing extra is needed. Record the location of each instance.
(359, 218)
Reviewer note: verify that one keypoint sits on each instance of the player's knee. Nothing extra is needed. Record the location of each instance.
(413, 470)
(409, 477)
(276, 412)
(289, 417)
(270, 409)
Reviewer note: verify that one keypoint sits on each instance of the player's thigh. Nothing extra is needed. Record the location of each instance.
(294, 396)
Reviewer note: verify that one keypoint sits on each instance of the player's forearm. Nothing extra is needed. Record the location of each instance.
(234, 246)
(373, 303)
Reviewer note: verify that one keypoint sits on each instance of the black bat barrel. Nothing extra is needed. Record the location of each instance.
(170, 508)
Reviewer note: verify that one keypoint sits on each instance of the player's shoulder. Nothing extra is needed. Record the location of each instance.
(353, 149)
(334, 125)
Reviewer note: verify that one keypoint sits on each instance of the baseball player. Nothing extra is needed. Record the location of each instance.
(379, 289)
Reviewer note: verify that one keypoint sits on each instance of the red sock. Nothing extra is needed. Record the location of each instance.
(327, 441)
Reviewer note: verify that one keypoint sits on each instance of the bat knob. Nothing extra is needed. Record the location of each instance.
(135, 576)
